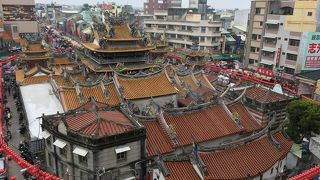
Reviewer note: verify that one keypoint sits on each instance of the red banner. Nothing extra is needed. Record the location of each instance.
(266, 72)
(278, 56)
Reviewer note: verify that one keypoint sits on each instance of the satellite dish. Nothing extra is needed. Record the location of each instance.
(278, 89)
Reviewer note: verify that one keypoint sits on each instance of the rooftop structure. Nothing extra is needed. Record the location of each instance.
(152, 6)
(82, 138)
(116, 43)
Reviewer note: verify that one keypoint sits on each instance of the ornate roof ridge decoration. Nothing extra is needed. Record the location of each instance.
(190, 109)
(36, 69)
(123, 76)
(169, 128)
(238, 98)
(239, 142)
(233, 116)
(197, 160)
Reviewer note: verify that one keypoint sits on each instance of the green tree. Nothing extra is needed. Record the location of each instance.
(304, 119)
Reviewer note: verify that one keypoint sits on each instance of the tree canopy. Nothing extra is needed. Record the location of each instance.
(304, 119)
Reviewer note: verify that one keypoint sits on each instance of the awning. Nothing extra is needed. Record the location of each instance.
(61, 144)
(80, 151)
(130, 178)
(272, 37)
(45, 134)
(268, 50)
(122, 149)
(266, 62)
(270, 21)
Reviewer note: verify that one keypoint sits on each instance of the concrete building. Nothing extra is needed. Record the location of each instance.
(20, 14)
(97, 143)
(278, 36)
(157, 5)
(182, 27)
(241, 17)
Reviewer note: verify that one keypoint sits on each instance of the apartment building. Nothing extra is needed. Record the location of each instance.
(278, 34)
(158, 5)
(19, 14)
(182, 27)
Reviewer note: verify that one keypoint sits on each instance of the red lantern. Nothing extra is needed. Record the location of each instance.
(13, 178)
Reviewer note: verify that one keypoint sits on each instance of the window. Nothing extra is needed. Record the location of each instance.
(15, 29)
(309, 13)
(48, 141)
(258, 10)
(258, 49)
(83, 159)
(217, 29)
(252, 49)
(283, 53)
(286, 39)
(202, 39)
(293, 42)
(251, 61)
(203, 29)
(261, 23)
(254, 37)
(50, 159)
(281, 24)
(62, 169)
(289, 70)
(63, 151)
(259, 36)
(121, 156)
(292, 57)
(279, 38)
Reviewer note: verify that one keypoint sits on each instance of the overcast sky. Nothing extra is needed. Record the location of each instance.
(217, 4)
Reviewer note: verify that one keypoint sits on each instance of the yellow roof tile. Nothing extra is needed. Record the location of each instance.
(154, 86)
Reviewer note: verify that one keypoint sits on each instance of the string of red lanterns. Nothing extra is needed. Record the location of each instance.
(33, 170)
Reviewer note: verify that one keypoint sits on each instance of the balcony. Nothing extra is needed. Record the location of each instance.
(273, 17)
(272, 31)
(293, 48)
(268, 58)
(290, 62)
(269, 45)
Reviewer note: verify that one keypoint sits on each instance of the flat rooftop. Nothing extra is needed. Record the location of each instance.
(38, 99)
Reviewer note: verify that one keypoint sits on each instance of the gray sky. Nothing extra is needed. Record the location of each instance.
(218, 4)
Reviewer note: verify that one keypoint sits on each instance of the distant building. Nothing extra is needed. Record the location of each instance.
(155, 5)
(281, 36)
(184, 27)
(241, 17)
(20, 15)
(53, 12)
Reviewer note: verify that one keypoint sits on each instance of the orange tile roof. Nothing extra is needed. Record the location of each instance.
(189, 82)
(181, 170)
(100, 123)
(6, 36)
(157, 140)
(249, 159)
(71, 101)
(122, 31)
(154, 86)
(35, 80)
(264, 95)
(203, 79)
(202, 125)
(35, 47)
(246, 119)
(61, 60)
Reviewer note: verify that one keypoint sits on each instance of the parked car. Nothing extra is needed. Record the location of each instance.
(14, 49)
(3, 169)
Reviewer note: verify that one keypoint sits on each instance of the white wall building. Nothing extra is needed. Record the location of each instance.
(181, 33)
